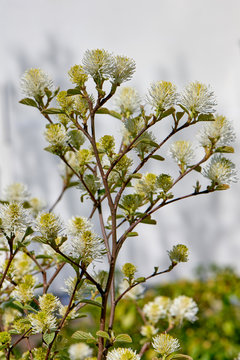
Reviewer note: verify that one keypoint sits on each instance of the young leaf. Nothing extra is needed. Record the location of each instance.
(29, 102)
(206, 117)
(109, 112)
(103, 334)
(123, 338)
(225, 149)
(48, 337)
(53, 111)
(82, 335)
(91, 302)
(157, 157)
(149, 221)
(133, 233)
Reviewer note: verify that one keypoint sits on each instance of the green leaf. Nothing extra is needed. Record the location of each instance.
(48, 337)
(157, 157)
(147, 141)
(103, 334)
(149, 221)
(75, 91)
(73, 183)
(28, 232)
(123, 338)
(225, 149)
(197, 168)
(53, 111)
(29, 102)
(136, 176)
(179, 115)
(133, 233)
(167, 113)
(18, 304)
(140, 279)
(82, 335)
(76, 138)
(206, 117)
(109, 112)
(91, 302)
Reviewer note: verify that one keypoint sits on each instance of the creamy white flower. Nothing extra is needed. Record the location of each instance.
(56, 135)
(37, 205)
(220, 170)
(79, 351)
(148, 331)
(122, 354)
(77, 225)
(42, 321)
(98, 63)
(218, 133)
(48, 224)
(198, 98)
(162, 95)
(86, 246)
(16, 192)
(34, 81)
(123, 69)
(49, 303)
(182, 152)
(183, 307)
(24, 291)
(154, 311)
(165, 344)
(135, 293)
(14, 218)
(127, 101)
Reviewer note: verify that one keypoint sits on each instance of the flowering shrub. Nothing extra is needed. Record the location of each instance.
(120, 194)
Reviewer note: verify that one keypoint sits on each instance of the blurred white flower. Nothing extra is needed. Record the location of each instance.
(198, 98)
(16, 192)
(127, 101)
(42, 321)
(135, 293)
(154, 311)
(148, 331)
(220, 170)
(34, 81)
(183, 307)
(56, 135)
(165, 344)
(79, 351)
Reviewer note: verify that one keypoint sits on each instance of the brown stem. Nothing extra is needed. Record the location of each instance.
(144, 348)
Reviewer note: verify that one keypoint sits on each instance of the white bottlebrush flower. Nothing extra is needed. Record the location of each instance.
(56, 135)
(135, 293)
(123, 69)
(220, 170)
(98, 63)
(218, 133)
(148, 331)
(49, 225)
(78, 224)
(165, 344)
(127, 101)
(86, 246)
(9, 315)
(42, 321)
(182, 152)
(183, 307)
(24, 291)
(162, 95)
(34, 81)
(154, 311)
(16, 192)
(48, 303)
(79, 351)
(198, 98)
(22, 265)
(14, 218)
(122, 354)
(146, 185)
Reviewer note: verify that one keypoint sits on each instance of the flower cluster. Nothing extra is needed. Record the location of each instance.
(127, 101)
(182, 152)
(56, 135)
(24, 291)
(82, 243)
(14, 218)
(198, 98)
(122, 354)
(179, 253)
(79, 351)
(165, 344)
(220, 171)
(162, 95)
(16, 192)
(34, 82)
(175, 311)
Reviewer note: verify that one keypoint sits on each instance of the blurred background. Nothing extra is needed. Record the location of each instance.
(174, 40)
